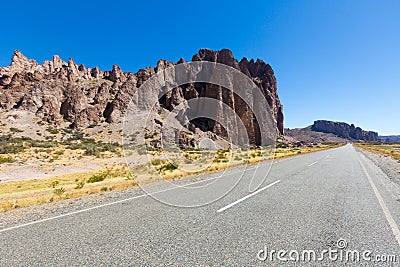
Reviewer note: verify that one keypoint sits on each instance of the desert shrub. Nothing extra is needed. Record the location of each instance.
(99, 176)
(168, 167)
(91, 147)
(59, 152)
(15, 130)
(80, 184)
(54, 183)
(282, 145)
(157, 161)
(150, 135)
(6, 160)
(43, 144)
(52, 131)
(11, 145)
(59, 191)
(92, 150)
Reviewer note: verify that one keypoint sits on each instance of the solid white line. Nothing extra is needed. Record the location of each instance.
(246, 197)
(113, 203)
(313, 163)
(389, 218)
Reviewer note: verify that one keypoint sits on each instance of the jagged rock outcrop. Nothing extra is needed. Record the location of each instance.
(58, 91)
(345, 130)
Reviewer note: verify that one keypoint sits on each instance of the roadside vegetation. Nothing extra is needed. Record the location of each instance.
(199, 162)
(76, 141)
(385, 149)
(114, 176)
(16, 194)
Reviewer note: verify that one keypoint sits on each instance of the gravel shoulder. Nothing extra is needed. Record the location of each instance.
(388, 165)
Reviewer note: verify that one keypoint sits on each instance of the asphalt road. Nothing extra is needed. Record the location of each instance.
(307, 203)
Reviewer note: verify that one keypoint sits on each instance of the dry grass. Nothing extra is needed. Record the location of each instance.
(22, 193)
(224, 159)
(385, 149)
(15, 194)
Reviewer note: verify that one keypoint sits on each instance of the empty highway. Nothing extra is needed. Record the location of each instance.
(329, 200)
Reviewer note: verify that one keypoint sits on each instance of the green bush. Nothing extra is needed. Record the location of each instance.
(52, 131)
(99, 177)
(59, 191)
(15, 130)
(168, 167)
(54, 183)
(6, 160)
(13, 145)
(80, 184)
(43, 144)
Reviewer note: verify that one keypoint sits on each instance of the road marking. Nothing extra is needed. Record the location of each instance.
(115, 202)
(313, 163)
(389, 218)
(132, 198)
(246, 197)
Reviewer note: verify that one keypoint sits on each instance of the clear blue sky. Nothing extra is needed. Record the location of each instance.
(336, 60)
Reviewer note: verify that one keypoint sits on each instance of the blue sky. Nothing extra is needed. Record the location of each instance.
(336, 60)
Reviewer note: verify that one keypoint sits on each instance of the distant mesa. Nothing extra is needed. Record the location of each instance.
(329, 131)
(345, 131)
(390, 138)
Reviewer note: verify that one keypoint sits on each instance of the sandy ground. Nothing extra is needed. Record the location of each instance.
(41, 169)
(23, 172)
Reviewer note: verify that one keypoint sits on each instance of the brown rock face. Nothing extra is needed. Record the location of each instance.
(261, 74)
(58, 91)
(345, 130)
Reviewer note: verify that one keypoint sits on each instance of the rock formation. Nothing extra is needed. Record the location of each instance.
(58, 91)
(344, 130)
(390, 138)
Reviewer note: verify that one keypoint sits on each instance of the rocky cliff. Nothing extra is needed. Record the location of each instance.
(344, 130)
(60, 92)
(390, 138)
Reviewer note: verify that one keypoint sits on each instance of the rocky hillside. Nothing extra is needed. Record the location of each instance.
(307, 136)
(390, 138)
(344, 130)
(65, 94)
(323, 131)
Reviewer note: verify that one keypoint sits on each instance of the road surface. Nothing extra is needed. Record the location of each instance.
(309, 202)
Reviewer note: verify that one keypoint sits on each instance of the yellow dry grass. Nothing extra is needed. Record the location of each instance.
(388, 150)
(237, 158)
(23, 193)
(16, 194)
